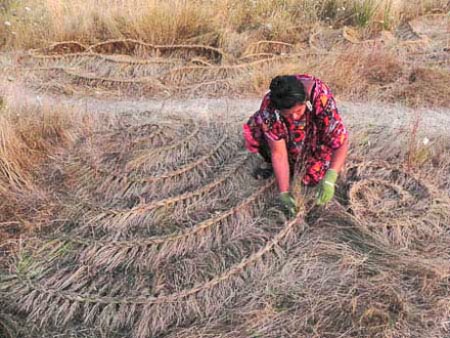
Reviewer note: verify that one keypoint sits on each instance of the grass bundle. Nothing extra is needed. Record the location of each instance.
(110, 308)
(153, 251)
(397, 204)
(147, 213)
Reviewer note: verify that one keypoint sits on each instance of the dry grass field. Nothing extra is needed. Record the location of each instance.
(127, 205)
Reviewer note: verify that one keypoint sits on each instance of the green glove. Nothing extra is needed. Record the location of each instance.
(325, 189)
(288, 203)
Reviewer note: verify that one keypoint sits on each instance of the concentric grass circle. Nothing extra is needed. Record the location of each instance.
(395, 203)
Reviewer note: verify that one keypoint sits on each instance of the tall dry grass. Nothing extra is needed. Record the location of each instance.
(30, 135)
(27, 137)
(363, 74)
(27, 24)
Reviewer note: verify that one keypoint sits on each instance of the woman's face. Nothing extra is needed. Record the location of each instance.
(296, 112)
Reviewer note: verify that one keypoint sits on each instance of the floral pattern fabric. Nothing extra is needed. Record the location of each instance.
(311, 140)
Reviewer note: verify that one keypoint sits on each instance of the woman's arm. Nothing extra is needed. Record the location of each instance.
(280, 163)
(339, 156)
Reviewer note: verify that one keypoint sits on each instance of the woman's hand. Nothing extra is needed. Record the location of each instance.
(326, 187)
(280, 163)
(289, 204)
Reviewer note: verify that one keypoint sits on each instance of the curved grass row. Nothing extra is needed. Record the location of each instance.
(107, 303)
(397, 204)
(151, 213)
(127, 45)
(207, 233)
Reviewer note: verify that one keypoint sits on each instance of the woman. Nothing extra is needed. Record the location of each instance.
(298, 125)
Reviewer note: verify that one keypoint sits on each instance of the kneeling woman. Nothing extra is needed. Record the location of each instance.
(298, 125)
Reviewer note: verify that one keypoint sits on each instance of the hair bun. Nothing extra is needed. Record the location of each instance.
(276, 83)
(286, 91)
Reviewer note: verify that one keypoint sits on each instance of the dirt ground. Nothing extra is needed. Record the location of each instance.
(432, 120)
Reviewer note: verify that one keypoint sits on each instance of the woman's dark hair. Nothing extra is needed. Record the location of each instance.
(286, 91)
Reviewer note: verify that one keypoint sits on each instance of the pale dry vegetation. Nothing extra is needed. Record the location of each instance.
(149, 224)
(376, 49)
(29, 137)
(151, 230)
(38, 22)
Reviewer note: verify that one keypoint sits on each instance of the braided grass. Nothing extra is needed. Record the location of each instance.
(181, 242)
(167, 153)
(128, 184)
(139, 139)
(190, 166)
(237, 269)
(115, 59)
(113, 143)
(397, 204)
(204, 234)
(102, 156)
(125, 45)
(210, 249)
(269, 47)
(151, 213)
(64, 47)
(145, 76)
(98, 304)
